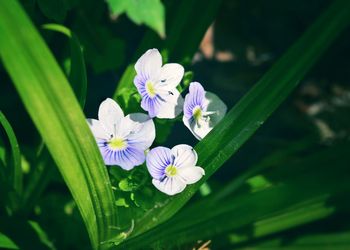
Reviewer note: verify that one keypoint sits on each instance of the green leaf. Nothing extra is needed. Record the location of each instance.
(20, 234)
(14, 169)
(6, 242)
(77, 75)
(252, 214)
(256, 106)
(59, 119)
(149, 12)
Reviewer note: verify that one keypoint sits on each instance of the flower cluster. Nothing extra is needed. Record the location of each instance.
(124, 140)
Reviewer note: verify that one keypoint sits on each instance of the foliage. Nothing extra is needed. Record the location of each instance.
(288, 193)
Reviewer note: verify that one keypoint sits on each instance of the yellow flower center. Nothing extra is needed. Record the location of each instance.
(197, 113)
(170, 170)
(117, 144)
(150, 89)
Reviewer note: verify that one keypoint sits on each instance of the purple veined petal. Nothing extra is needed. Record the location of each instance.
(97, 129)
(185, 156)
(109, 114)
(172, 105)
(157, 160)
(194, 98)
(190, 175)
(149, 64)
(151, 105)
(169, 186)
(140, 83)
(170, 76)
(127, 158)
(141, 130)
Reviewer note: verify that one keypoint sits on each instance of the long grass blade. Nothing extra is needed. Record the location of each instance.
(14, 169)
(77, 74)
(51, 104)
(257, 105)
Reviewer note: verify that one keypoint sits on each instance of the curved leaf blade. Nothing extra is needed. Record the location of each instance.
(256, 106)
(51, 104)
(77, 75)
(14, 170)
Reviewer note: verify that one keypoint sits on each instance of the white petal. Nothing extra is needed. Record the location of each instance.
(97, 129)
(170, 186)
(191, 175)
(149, 64)
(110, 114)
(214, 103)
(172, 106)
(140, 130)
(170, 76)
(198, 131)
(185, 156)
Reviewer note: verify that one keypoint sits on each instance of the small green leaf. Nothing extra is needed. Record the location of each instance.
(149, 12)
(121, 202)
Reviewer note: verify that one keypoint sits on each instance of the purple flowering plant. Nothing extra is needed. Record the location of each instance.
(126, 141)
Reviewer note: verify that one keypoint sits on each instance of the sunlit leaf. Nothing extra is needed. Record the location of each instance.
(149, 12)
(58, 117)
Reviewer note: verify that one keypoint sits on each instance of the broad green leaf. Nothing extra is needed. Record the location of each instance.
(289, 201)
(256, 106)
(77, 74)
(14, 169)
(44, 167)
(149, 12)
(59, 119)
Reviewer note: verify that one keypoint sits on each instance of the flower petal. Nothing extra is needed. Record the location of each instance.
(149, 64)
(140, 130)
(151, 105)
(172, 105)
(170, 76)
(157, 160)
(127, 159)
(170, 186)
(199, 131)
(190, 175)
(195, 97)
(109, 114)
(97, 129)
(185, 156)
(212, 104)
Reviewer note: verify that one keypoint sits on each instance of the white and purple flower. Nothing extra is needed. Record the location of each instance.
(202, 110)
(173, 169)
(122, 140)
(157, 85)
